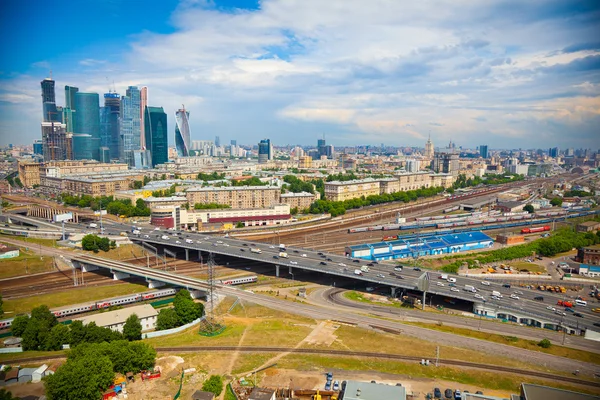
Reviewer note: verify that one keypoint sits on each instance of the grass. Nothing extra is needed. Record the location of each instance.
(72, 296)
(560, 351)
(123, 252)
(43, 242)
(247, 362)
(26, 263)
(523, 265)
(229, 395)
(359, 297)
(29, 354)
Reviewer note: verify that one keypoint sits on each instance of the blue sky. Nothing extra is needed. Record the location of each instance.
(506, 73)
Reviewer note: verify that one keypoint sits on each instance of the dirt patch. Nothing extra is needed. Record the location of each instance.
(322, 334)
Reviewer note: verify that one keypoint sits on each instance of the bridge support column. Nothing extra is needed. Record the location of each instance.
(119, 276)
(187, 254)
(155, 284)
(277, 271)
(394, 292)
(88, 268)
(291, 271)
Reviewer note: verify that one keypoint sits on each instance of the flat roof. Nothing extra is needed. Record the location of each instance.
(229, 188)
(538, 392)
(428, 242)
(356, 390)
(120, 316)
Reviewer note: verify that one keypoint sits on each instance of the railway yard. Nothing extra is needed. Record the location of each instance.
(335, 310)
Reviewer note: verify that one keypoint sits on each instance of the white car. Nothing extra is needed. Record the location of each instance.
(157, 229)
(197, 241)
(440, 284)
(485, 283)
(146, 237)
(380, 275)
(518, 292)
(514, 296)
(219, 241)
(165, 237)
(551, 308)
(558, 312)
(478, 296)
(455, 289)
(303, 255)
(178, 242)
(342, 264)
(294, 262)
(271, 247)
(225, 244)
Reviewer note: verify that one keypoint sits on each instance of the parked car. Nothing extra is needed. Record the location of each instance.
(437, 393)
(448, 393)
(336, 385)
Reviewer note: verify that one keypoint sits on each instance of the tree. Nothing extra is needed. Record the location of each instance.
(556, 202)
(185, 307)
(214, 384)
(59, 335)
(35, 335)
(137, 184)
(77, 333)
(167, 318)
(5, 395)
(43, 313)
(545, 343)
(1, 304)
(529, 208)
(132, 330)
(80, 379)
(89, 243)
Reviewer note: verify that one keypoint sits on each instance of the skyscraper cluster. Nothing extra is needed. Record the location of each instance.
(124, 129)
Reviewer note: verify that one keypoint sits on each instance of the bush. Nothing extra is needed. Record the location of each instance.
(214, 384)
(545, 344)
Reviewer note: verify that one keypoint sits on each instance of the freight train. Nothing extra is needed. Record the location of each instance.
(537, 229)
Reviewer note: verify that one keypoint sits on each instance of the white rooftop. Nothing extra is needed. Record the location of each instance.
(120, 316)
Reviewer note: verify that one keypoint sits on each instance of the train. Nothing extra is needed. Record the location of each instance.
(239, 281)
(537, 229)
(98, 305)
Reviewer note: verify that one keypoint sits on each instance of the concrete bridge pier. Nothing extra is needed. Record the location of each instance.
(187, 254)
(155, 284)
(119, 276)
(88, 268)
(277, 271)
(393, 292)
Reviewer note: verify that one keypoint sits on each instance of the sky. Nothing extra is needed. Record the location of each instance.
(506, 73)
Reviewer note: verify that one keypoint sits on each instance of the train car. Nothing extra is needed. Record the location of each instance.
(375, 228)
(536, 229)
(389, 238)
(358, 230)
(239, 281)
(6, 323)
(394, 227)
(449, 210)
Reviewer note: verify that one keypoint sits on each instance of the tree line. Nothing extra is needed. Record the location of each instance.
(184, 311)
(109, 203)
(95, 243)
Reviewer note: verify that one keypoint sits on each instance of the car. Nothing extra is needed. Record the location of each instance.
(569, 309)
(294, 262)
(440, 284)
(596, 323)
(319, 253)
(323, 263)
(329, 259)
(336, 385)
(303, 255)
(551, 308)
(356, 261)
(197, 241)
(323, 256)
(146, 236)
(578, 315)
(437, 393)
(242, 249)
(220, 241)
(328, 385)
(518, 292)
(375, 262)
(596, 310)
(558, 312)
(485, 283)
(539, 298)
(506, 285)
(478, 296)
(178, 242)
(392, 274)
(452, 284)
(271, 247)
(380, 276)
(370, 264)
(244, 244)
(296, 251)
(457, 395)
(157, 229)
(342, 264)
(416, 269)
(276, 257)
(455, 289)
(514, 296)
(330, 376)
(399, 277)
(495, 298)
(479, 392)
(448, 393)
(399, 268)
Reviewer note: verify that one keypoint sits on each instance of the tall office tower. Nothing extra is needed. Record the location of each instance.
(182, 132)
(264, 146)
(129, 124)
(56, 143)
(429, 152)
(155, 130)
(70, 96)
(321, 147)
(38, 147)
(104, 153)
(233, 142)
(483, 150)
(87, 106)
(217, 141)
(82, 146)
(68, 116)
(553, 152)
(109, 124)
(49, 111)
(143, 105)
(570, 152)
(329, 151)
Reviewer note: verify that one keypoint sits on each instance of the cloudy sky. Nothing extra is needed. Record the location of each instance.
(510, 74)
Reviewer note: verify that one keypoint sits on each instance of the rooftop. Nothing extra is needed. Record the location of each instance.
(537, 392)
(373, 391)
(230, 188)
(120, 316)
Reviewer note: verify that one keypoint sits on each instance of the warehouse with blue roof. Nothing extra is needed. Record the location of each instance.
(419, 247)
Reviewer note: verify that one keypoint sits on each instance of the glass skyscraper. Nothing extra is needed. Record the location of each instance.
(155, 130)
(182, 132)
(264, 149)
(129, 122)
(50, 114)
(56, 142)
(88, 120)
(109, 125)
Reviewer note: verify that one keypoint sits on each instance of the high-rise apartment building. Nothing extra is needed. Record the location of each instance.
(264, 149)
(87, 106)
(446, 163)
(155, 129)
(182, 132)
(143, 105)
(130, 124)
(483, 151)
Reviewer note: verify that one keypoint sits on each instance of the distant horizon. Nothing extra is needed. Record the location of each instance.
(502, 72)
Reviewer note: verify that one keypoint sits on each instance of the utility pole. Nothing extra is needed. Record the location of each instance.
(437, 355)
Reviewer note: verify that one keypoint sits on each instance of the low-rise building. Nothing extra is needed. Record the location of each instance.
(588, 226)
(356, 390)
(347, 190)
(509, 206)
(115, 320)
(589, 255)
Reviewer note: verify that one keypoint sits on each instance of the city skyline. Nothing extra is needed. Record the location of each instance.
(392, 73)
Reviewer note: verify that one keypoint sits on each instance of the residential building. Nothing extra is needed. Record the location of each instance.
(130, 124)
(447, 163)
(155, 129)
(182, 132)
(235, 196)
(87, 121)
(413, 165)
(424, 179)
(264, 151)
(300, 200)
(94, 185)
(115, 320)
(346, 190)
(305, 162)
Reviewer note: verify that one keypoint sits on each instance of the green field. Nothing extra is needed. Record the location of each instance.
(26, 263)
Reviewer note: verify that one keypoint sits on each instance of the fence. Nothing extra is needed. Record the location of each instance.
(6, 350)
(172, 330)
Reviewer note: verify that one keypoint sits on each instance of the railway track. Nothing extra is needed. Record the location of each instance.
(347, 353)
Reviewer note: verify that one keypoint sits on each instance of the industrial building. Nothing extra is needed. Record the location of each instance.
(356, 390)
(419, 247)
(115, 320)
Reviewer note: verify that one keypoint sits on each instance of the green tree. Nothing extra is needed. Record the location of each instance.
(239, 225)
(167, 318)
(90, 243)
(6, 395)
(545, 343)
(35, 334)
(138, 184)
(186, 309)
(144, 356)
(60, 334)
(81, 379)
(77, 331)
(1, 304)
(556, 202)
(529, 208)
(214, 384)
(132, 330)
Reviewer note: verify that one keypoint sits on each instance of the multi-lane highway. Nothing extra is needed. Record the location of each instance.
(522, 304)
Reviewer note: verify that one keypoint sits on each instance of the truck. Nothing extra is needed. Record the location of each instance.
(444, 276)
(357, 272)
(255, 250)
(92, 225)
(283, 254)
(282, 247)
(496, 293)
(564, 303)
(470, 288)
(364, 268)
(136, 232)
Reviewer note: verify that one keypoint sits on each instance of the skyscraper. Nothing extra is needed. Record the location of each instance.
(109, 124)
(49, 112)
(483, 150)
(143, 105)
(321, 147)
(182, 132)
(217, 141)
(70, 96)
(56, 143)
(69, 108)
(87, 106)
(155, 130)
(429, 152)
(264, 147)
(129, 124)
(553, 152)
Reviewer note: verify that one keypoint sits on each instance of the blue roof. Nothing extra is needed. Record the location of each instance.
(433, 242)
(594, 268)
